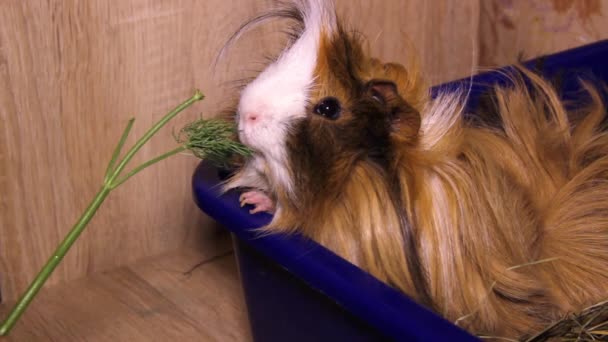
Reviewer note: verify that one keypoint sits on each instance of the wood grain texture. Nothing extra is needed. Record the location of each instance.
(510, 29)
(442, 33)
(73, 72)
(152, 300)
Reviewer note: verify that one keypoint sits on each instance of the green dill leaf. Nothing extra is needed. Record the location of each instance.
(212, 139)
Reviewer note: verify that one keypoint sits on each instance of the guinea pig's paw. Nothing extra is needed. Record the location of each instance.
(260, 201)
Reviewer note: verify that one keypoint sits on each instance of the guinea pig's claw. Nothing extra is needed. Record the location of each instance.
(260, 201)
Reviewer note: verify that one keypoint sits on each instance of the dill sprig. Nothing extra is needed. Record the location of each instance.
(212, 140)
(206, 139)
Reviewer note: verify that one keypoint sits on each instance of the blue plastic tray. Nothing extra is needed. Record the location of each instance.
(296, 290)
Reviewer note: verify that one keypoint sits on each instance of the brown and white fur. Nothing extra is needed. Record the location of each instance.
(501, 230)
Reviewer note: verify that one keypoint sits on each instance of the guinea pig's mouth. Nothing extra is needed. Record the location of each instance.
(243, 139)
(248, 136)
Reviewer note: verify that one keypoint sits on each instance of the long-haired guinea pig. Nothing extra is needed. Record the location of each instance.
(500, 230)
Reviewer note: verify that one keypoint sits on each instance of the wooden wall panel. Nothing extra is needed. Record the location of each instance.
(509, 29)
(442, 34)
(73, 72)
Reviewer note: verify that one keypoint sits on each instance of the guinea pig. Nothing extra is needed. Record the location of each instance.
(499, 230)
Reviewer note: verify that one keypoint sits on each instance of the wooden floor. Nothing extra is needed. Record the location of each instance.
(154, 300)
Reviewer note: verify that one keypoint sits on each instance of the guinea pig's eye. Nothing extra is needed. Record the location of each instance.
(329, 108)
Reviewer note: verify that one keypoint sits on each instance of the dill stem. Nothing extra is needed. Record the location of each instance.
(52, 263)
(163, 121)
(110, 182)
(118, 149)
(148, 163)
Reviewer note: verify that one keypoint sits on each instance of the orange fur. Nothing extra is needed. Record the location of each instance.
(483, 202)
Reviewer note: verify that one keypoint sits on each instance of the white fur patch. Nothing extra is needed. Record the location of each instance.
(279, 95)
(441, 119)
(250, 176)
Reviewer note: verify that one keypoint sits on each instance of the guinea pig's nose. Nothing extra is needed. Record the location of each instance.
(252, 117)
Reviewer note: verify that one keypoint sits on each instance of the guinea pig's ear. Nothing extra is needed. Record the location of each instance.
(382, 91)
(404, 119)
(410, 84)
